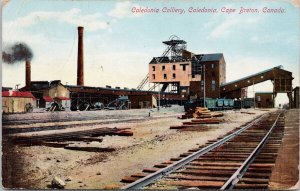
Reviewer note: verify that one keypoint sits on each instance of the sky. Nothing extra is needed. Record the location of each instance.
(119, 44)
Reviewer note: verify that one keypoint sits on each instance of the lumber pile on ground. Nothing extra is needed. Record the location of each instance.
(251, 113)
(203, 121)
(62, 136)
(202, 115)
(200, 112)
(188, 114)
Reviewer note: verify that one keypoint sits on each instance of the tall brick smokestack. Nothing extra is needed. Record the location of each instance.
(27, 73)
(80, 70)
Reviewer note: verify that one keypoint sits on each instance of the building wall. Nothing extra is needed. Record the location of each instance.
(15, 104)
(141, 101)
(222, 71)
(58, 91)
(264, 100)
(296, 97)
(164, 73)
(214, 76)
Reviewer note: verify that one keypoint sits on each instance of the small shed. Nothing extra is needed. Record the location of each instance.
(17, 102)
(63, 102)
(48, 101)
(264, 99)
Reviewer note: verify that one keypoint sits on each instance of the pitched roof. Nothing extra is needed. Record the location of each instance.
(253, 75)
(43, 85)
(263, 92)
(212, 57)
(17, 94)
(62, 98)
(48, 99)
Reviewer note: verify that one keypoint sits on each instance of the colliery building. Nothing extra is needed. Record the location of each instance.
(189, 74)
(175, 77)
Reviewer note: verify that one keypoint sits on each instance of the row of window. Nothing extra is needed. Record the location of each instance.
(163, 67)
(165, 76)
(213, 85)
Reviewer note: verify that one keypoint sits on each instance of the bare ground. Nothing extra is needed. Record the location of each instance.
(152, 143)
(285, 174)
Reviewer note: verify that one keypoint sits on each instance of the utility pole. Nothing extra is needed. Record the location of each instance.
(204, 105)
(253, 94)
(158, 97)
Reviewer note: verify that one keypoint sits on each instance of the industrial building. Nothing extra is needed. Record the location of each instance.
(264, 99)
(177, 76)
(47, 93)
(296, 103)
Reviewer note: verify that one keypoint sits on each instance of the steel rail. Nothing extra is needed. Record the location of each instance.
(234, 179)
(171, 168)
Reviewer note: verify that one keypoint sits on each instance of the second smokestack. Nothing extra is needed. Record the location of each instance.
(80, 68)
(27, 73)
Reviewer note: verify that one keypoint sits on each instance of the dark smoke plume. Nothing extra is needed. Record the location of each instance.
(16, 53)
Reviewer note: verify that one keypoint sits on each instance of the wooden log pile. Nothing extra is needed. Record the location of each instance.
(203, 116)
(62, 136)
(200, 112)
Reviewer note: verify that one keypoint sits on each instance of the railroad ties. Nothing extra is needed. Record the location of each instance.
(63, 139)
(215, 167)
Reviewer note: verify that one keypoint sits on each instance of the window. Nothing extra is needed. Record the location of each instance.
(212, 66)
(213, 85)
(183, 67)
(163, 67)
(153, 68)
(202, 83)
(174, 67)
(165, 76)
(174, 76)
(153, 76)
(193, 75)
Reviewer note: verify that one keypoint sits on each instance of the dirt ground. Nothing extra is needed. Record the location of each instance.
(285, 174)
(152, 143)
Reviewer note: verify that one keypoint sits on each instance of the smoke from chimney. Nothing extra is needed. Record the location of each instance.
(80, 68)
(17, 52)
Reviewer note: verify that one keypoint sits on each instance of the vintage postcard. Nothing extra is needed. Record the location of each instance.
(162, 94)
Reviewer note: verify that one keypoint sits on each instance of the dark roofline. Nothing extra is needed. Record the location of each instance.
(264, 92)
(250, 76)
(113, 89)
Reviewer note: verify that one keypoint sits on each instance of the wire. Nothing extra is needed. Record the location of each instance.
(70, 53)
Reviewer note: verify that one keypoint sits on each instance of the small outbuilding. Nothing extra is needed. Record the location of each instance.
(48, 101)
(264, 99)
(63, 102)
(17, 102)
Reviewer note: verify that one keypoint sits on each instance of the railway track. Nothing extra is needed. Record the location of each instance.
(242, 159)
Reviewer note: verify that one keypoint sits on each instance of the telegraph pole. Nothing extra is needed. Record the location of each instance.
(253, 94)
(204, 105)
(158, 97)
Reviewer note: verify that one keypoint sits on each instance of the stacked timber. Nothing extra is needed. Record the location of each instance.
(63, 136)
(203, 116)
(200, 112)
(203, 121)
(188, 114)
